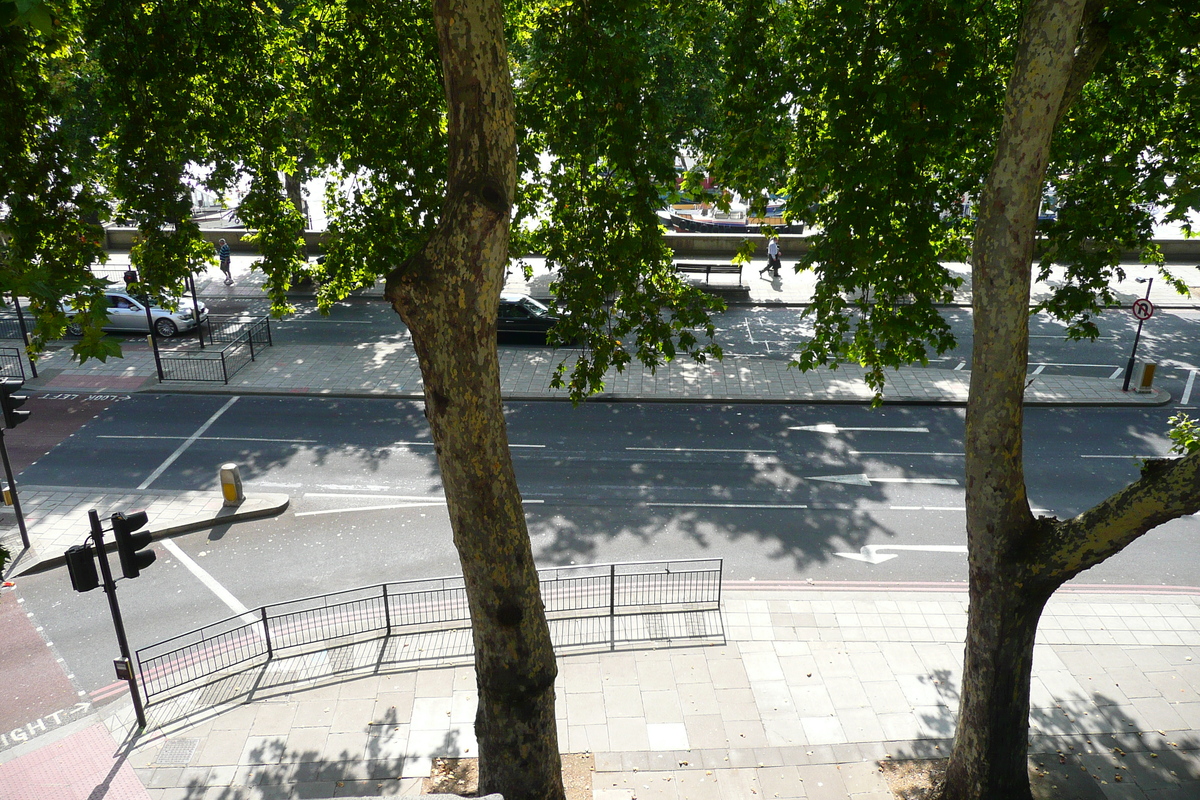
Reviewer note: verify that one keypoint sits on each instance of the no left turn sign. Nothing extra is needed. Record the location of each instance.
(1143, 309)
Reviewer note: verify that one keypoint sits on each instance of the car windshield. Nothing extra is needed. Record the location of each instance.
(534, 307)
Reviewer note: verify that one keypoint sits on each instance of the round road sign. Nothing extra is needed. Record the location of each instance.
(1143, 309)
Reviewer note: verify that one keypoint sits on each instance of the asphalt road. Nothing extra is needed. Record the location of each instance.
(776, 491)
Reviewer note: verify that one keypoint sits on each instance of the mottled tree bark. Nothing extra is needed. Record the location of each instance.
(991, 741)
(448, 294)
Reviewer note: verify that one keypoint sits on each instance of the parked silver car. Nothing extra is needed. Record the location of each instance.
(127, 314)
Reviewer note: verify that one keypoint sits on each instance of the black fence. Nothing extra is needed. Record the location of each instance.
(239, 338)
(229, 329)
(618, 604)
(12, 364)
(10, 326)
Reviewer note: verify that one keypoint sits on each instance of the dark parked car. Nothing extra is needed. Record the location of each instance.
(521, 315)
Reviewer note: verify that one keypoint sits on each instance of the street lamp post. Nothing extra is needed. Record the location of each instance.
(1136, 337)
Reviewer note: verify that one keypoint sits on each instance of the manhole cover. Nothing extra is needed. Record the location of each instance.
(177, 751)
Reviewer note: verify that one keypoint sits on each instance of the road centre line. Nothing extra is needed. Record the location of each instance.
(899, 453)
(697, 450)
(390, 506)
(183, 447)
(208, 580)
(213, 438)
(395, 445)
(1169, 456)
(801, 506)
(404, 498)
(1187, 388)
(724, 505)
(826, 427)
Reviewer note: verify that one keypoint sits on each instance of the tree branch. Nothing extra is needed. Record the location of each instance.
(1093, 42)
(1166, 490)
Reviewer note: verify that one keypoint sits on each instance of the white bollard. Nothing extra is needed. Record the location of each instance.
(231, 485)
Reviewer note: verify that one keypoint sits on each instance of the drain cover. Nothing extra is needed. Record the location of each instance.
(177, 752)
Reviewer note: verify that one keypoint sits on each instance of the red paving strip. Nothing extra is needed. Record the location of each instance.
(35, 686)
(72, 380)
(80, 766)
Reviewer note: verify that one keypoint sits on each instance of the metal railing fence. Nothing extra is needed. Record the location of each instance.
(209, 365)
(12, 364)
(10, 326)
(230, 328)
(600, 592)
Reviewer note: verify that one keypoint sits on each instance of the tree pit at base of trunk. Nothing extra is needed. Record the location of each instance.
(461, 776)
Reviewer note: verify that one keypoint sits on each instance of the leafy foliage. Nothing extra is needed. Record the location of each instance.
(1185, 434)
(1125, 155)
(609, 94)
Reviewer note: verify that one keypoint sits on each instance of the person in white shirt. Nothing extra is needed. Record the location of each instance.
(773, 265)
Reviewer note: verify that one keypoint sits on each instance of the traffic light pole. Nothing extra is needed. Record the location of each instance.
(110, 588)
(12, 487)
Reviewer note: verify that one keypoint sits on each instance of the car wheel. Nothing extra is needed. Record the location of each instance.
(165, 328)
(74, 328)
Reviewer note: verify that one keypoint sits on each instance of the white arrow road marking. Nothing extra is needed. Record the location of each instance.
(826, 427)
(867, 480)
(871, 554)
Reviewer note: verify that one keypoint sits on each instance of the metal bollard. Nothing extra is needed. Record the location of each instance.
(231, 485)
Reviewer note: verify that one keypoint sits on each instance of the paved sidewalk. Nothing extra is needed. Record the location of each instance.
(810, 689)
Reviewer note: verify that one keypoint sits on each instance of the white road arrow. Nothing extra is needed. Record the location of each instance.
(826, 427)
(871, 555)
(867, 480)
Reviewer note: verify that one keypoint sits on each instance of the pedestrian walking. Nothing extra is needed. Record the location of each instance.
(773, 264)
(223, 255)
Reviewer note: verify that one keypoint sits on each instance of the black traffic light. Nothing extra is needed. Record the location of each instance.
(129, 543)
(11, 402)
(81, 564)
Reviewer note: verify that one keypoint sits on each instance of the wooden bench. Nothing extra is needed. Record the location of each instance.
(708, 270)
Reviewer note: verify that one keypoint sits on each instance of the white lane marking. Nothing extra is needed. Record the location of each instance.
(726, 505)
(208, 580)
(441, 498)
(1065, 364)
(871, 553)
(696, 450)
(900, 453)
(749, 332)
(397, 445)
(213, 438)
(961, 365)
(1116, 373)
(1040, 369)
(188, 443)
(390, 506)
(1187, 388)
(369, 508)
(866, 480)
(826, 427)
(927, 508)
(1131, 455)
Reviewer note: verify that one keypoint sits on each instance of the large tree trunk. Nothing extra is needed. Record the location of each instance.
(988, 760)
(448, 294)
